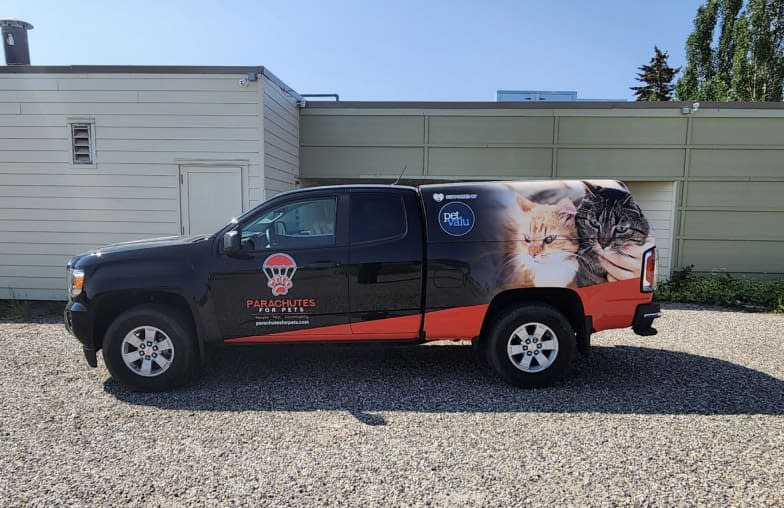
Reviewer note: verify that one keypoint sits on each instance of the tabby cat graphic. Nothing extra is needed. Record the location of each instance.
(610, 224)
(544, 251)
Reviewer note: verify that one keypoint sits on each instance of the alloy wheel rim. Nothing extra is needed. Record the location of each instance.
(147, 351)
(532, 347)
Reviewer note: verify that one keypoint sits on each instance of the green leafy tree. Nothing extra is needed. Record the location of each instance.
(735, 53)
(657, 77)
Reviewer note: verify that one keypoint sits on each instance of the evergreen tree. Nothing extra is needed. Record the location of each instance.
(746, 63)
(657, 76)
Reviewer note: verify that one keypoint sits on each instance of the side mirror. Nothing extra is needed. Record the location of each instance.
(231, 242)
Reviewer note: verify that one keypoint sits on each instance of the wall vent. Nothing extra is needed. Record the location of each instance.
(82, 143)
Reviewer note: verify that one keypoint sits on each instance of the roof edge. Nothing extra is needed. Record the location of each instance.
(131, 69)
(539, 105)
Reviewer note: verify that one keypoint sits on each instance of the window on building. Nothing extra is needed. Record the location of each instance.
(377, 216)
(82, 143)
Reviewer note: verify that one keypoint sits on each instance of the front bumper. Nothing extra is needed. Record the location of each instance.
(79, 324)
(643, 319)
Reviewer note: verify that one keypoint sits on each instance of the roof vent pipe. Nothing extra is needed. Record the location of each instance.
(17, 51)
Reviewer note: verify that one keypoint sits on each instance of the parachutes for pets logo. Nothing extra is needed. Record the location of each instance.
(279, 269)
(456, 219)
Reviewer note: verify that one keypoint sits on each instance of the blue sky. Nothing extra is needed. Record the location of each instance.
(372, 50)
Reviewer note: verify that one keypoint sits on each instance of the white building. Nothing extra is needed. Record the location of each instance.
(95, 155)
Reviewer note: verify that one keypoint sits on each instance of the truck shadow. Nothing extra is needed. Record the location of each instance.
(373, 378)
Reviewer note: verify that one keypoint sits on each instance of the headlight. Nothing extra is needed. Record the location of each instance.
(75, 281)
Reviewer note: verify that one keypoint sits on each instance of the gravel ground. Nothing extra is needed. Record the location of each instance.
(693, 416)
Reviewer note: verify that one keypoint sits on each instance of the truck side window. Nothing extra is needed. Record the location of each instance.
(377, 216)
(302, 224)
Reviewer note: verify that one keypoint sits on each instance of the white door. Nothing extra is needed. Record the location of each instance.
(209, 197)
(657, 200)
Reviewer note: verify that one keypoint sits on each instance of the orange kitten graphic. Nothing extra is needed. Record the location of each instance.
(544, 251)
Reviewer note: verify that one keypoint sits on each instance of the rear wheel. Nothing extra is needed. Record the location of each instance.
(150, 348)
(531, 346)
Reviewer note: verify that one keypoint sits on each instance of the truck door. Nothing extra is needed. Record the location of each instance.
(289, 280)
(385, 264)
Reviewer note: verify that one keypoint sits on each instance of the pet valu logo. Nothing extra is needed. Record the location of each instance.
(456, 219)
(279, 269)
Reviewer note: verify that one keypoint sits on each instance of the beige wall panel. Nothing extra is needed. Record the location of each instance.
(140, 229)
(475, 130)
(92, 178)
(43, 97)
(619, 163)
(55, 132)
(52, 271)
(151, 82)
(281, 142)
(335, 162)
(38, 156)
(283, 103)
(65, 249)
(36, 145)
(490, 162)
(248, 96)
(272, 113)
(130, 108)
(178, 133)
(735, 225)
(755, 195)
(53, 191)
(33, 294)
(182, 146)
(37, 121)
(738, 256)
(95, 204)
(51, 238)
(40, 260)
(213, 123)
(30, 83)
(621, 131)
(155, 157)
(748, 163)
(362, 130)
(737, 131)
(43, 169)
(280, 164)
(31, 282)
(23, 214)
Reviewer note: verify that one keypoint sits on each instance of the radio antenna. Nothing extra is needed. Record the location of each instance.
(401, 175)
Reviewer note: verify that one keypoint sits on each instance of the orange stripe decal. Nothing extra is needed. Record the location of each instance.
(612, 304)
(455, 323)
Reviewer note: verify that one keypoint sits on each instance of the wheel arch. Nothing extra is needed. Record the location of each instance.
(564, 300)
(109, 306)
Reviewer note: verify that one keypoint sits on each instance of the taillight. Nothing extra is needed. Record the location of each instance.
(648, 279)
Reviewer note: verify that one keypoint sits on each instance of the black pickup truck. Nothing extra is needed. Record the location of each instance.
(525, 270)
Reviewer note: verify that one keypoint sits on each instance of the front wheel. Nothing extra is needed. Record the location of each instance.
(150, 348)
(531, 346)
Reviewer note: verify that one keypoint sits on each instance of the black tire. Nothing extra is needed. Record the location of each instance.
(500, 335)
(172, 323)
